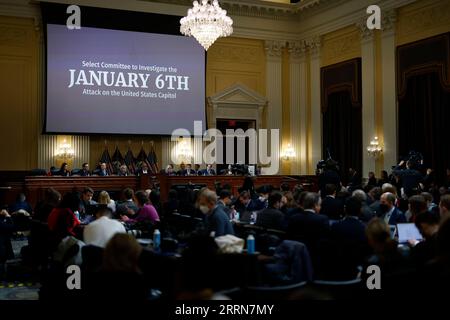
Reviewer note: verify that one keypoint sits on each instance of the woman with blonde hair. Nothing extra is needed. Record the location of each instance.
(104, 198)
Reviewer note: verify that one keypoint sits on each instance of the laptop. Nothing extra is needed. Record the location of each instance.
(408, 231)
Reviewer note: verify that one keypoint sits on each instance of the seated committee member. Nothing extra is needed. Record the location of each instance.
(197, 170)
(188, 171)
(209, 171)
(103, 171)
(169, 171)
(64, 170)
(100, 231)
(182, 170)
(123, 171)
(217, 221)
(143, 170)
(85, 170)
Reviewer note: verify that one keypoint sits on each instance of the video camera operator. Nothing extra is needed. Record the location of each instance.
(328, 174)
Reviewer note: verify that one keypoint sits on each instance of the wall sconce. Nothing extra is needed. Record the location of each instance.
(65, 151)
(184, 150)
(374, 149)
(288, 152)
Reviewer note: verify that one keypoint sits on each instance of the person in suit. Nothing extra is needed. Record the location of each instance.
(411, 179)
(64, 170)
(197, 169)
(143, 170)
(103, 171)
(309, 226)
(225, 201)
(372, 181)
(84, 172)
(169, 170)
(209, 171)
(391, 215)
(21, 204)
(182, 170)
(331, 207)
(123, 171)
(349, 237)
(367, 213)
(127, 207)
(245, 205)
(428, 225)
(354, 181)
(217, 220)
(271, 217)
(188, 171)
(329, 175)
(384, 178)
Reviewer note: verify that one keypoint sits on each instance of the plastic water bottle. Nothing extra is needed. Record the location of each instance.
(236, 216)
(250, 244)
(156, 239)
(253, 218)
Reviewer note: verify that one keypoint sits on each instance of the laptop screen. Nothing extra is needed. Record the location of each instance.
(408, 231)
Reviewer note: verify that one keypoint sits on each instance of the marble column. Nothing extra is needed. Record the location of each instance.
(389, 98)
(298, 106)
(315, 143)
(274, 50)
(368, 61)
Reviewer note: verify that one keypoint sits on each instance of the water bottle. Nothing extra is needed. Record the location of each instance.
(156, 239)
(236, 216)
(250, 244)
(253, 218)
(77, 214)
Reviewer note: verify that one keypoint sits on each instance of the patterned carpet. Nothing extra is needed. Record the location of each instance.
(19, 291)
(15, 287)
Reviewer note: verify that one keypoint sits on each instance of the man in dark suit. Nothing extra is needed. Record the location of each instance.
(271, 217)
(143, 170)
(245, 205)
(309, 226)
(355, 180)
(329, 176)
(188, 171)
(217, 220)
(331, 207)
(209, 171)
(348, 236)
(85, 170)
(103, 171)
(390, 213)
(182, 170)
(410, 178)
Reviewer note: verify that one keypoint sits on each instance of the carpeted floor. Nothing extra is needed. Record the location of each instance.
(16, 287)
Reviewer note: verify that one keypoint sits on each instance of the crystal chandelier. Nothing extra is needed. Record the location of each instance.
(206, 22)
(374, 149)
(288, 152)
(65, 151)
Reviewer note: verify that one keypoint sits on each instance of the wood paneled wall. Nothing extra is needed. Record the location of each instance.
(19, 97)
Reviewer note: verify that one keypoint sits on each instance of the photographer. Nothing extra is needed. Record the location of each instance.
(411, 178)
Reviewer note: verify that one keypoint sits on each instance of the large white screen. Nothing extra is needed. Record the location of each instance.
(111, 81)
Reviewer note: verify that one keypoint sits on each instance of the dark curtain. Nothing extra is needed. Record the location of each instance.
(424, 122)
(342, 132)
